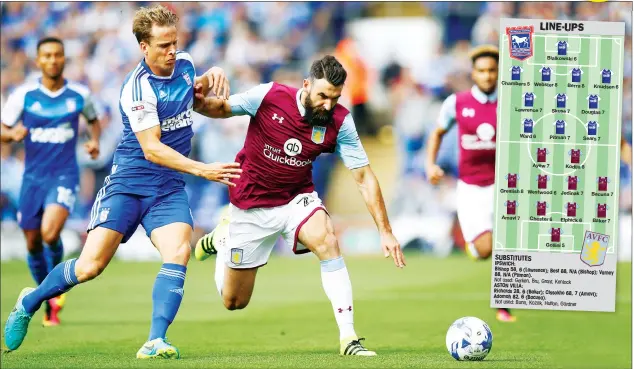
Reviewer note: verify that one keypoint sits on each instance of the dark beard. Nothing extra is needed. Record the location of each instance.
(320, 117)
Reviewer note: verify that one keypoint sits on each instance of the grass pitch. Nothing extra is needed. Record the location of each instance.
(404, 314)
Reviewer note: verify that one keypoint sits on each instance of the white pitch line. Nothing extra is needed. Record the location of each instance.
(596, 55)
(539, 221)
(555, 212)
(558, 143)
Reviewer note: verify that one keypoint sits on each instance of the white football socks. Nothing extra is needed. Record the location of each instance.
(336, 283)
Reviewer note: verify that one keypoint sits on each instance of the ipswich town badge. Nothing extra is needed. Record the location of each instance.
(520, 42)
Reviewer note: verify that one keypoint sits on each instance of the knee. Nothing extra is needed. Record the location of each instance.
(87, 270)
(328, 248)
(178, 255)
(235, 302)
(49, 235)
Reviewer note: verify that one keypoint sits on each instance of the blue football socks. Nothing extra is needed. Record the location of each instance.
(37, 265)
(166, 298)
(61, 279)
(54, 254)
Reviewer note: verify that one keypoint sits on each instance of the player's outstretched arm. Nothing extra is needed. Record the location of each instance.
(434, 172)
(214, 80)
(15, 133)
(161, 154)
(373, 197)
(212, 107)
(246, 103)
(446, 119)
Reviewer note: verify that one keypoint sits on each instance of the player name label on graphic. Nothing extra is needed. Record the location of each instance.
(557, 173)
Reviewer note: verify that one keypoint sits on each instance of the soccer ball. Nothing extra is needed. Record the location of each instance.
(469, 339)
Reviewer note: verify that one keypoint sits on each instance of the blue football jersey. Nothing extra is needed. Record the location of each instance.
(606, 76)
(561, 100)
(52, 119)
(560, 127)
(562, 48)
(546, 74)
(147, 101)
(516, 73)
(593, 101)
(592, 128)
(528, 125)
(529, 98)
(576, 74)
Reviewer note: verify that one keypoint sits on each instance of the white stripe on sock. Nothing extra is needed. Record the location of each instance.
(172, 271)
(169, 274)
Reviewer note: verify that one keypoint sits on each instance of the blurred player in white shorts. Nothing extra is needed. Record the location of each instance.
(474, 111)
(475, 213)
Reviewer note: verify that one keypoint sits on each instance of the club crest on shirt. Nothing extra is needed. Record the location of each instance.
(103, 216)
(71, 105)
(318, 135)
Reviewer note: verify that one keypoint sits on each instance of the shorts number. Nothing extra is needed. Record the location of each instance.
(65, 196)
(307, 200)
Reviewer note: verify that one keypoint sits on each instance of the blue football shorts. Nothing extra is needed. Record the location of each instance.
(38, 193)
(121, 207)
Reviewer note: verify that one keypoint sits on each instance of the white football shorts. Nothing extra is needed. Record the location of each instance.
(253, 233)
(475, 209)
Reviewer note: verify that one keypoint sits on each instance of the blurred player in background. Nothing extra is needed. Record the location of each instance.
(289, 129)
(45, 114)
(474, 111)
(626, 152)
(145, 186)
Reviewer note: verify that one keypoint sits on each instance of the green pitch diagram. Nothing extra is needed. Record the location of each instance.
(557, 164)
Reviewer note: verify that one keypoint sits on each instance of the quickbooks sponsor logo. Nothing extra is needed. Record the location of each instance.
(276, 155)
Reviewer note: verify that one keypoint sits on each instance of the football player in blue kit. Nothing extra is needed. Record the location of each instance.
(45, 114)
(145, 186)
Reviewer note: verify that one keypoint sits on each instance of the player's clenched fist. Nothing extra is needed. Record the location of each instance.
(391, 247)
(435, 174)
(19, 132)
(220, 172)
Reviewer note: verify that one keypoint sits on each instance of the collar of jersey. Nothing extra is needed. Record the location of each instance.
(50, 93)
(482, 97)
(147, 68)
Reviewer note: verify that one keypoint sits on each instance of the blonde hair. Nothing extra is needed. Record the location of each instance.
(145, 18)
(484, 50)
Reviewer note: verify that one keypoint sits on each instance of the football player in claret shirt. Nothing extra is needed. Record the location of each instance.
(288, 130)
(476, 159)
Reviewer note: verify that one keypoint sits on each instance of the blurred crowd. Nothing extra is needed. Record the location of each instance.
(263, 41)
